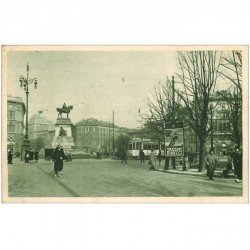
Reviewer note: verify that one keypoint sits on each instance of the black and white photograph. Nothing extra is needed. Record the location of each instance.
(125, 123)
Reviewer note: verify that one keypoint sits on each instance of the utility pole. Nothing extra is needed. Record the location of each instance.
(113, 141)
(24, 82)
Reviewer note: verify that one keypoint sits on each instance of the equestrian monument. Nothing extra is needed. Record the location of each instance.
(63, 129)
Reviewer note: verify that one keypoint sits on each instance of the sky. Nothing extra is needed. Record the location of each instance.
(94, 82)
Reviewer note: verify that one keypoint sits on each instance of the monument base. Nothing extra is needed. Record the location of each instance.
(66, 142)
(63, 134)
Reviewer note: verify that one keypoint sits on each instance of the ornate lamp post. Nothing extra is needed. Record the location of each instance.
(24, 82)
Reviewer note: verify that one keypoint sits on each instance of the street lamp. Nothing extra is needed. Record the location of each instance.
(24, 82)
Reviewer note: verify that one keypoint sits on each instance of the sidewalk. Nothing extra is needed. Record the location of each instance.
(193, 172)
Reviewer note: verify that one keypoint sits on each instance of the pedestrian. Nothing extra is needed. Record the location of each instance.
(159, 157)
(190, 157)
(228, 167)
(237, 164)
(58, 160)
(27, 156)
(152, 160)
(142, 156)
(10, 156)
(124, 156)
(99, 156)
(211, 162)
(31, 156)
(36, 155)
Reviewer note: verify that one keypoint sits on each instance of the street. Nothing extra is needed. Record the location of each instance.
(110, 178)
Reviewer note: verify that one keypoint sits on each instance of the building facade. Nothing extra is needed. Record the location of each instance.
(221, 134)
(15, 122)
(41, 131)
(94, 135)
(219, 121)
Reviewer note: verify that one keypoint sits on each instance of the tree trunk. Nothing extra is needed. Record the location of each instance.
(202, 154)
(166, 165)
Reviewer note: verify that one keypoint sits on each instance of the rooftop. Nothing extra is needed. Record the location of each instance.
(14, 98)
(94, 122)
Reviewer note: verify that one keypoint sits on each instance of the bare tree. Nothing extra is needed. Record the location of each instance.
(231, 71)
(197, 76)
(162, 108)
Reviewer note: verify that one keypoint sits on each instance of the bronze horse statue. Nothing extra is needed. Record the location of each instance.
(65, 109)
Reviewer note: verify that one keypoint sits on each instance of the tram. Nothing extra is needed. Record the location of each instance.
(146, 145)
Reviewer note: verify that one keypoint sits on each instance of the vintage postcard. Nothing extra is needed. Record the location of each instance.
(125, 124)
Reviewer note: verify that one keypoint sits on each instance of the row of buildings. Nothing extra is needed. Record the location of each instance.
(15, 122)
(90, 134)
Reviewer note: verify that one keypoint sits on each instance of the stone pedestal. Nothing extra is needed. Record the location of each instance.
(63, 134)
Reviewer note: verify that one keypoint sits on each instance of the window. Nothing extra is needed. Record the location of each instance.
(11, 127)
(87, 129)
(18, 128)
(12, 114)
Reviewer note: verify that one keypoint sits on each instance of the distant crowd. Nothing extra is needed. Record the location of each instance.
(30, 156)
(233, 166)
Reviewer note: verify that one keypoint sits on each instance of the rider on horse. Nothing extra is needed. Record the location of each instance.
(65, 109)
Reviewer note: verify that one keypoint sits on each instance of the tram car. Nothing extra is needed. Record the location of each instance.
(146, 145)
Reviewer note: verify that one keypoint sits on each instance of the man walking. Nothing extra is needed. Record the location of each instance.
(237, 163)
(142, 156)
(124, 156)
(159, 157)
(58, 160)
(211, 162)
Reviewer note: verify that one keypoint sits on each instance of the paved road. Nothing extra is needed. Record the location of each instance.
(109, 178)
